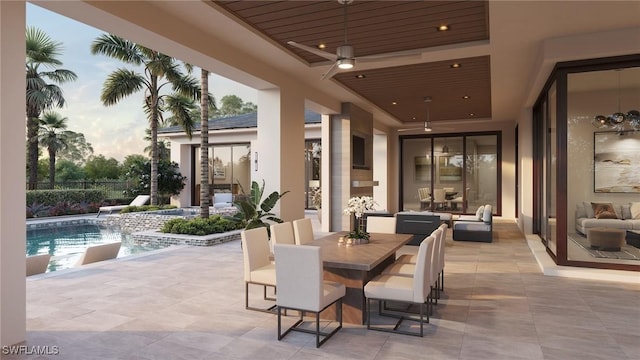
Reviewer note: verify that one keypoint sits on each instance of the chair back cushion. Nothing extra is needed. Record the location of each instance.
(282, 233)
(444, 228)
(299, 274)
(438, 243)
(422, 275)
(381, 224)
(255, 250)
(303, 231)
(140, 200)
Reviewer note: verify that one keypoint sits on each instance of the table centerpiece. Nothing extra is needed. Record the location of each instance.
(357, 206)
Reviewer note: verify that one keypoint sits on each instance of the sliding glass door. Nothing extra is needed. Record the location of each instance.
(450, 173)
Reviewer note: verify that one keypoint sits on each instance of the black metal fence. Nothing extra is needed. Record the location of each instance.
(113, 188)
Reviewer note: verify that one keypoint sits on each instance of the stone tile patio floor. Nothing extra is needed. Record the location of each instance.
(188, 303)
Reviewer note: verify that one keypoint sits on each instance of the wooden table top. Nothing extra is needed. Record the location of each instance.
(362, 256)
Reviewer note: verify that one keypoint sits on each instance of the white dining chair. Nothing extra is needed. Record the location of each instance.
(440, 198)
(303, 231)
(282, 233)
(411, 290)
(381, 224)
(258, 268)
(401, 268)
(299, 274)
(424, 195)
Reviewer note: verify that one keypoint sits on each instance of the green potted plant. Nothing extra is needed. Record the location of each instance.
(252, 210)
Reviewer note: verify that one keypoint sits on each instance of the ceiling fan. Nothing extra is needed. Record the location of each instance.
(428, 124)
(345, 58)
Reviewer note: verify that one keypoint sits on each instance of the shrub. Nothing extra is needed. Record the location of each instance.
(198, 226)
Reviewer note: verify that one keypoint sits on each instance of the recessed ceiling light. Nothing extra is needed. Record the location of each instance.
(443, 27)
(466, 97)
(361, 76)
(322, 46)
(413, 118)
(455, 65)
(472, 114)
(394, 103)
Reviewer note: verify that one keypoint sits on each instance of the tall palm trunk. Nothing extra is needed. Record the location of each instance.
(204, 144)
(154, 141)
(52, 167)
(32, 140)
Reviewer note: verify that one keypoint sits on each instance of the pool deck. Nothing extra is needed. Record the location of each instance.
(188, 303)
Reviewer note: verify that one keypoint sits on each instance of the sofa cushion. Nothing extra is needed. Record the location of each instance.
(479, 212)
(471, 226)
(603, 211)
(626, 211)
(583, 224)
(634, 208)
(580, 211)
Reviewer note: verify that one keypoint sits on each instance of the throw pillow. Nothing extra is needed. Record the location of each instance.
(589, 209)
(479, 212)
(626, 212)
(603, 211)
(635, 210)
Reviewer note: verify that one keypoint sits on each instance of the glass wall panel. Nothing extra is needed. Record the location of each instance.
(229, 167)
(313, 157)
(604, 165)
(551, 171)
(416, 181)
(481, 168)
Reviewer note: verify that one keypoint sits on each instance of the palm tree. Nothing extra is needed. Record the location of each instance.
(41, 65)
(53, 135)
(204, 145)
(159, 71)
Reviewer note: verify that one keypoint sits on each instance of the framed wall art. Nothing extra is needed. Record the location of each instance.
(616, 162)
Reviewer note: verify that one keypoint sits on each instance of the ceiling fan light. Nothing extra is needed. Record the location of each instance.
(346, 64)
(599, 121)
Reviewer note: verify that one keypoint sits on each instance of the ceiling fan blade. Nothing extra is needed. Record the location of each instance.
(410, 129)
(379, 57)
(324, 54)
(332, 71)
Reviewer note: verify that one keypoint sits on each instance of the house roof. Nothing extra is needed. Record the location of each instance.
(243, 121)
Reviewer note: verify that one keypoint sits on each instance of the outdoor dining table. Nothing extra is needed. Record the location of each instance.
(355, 265)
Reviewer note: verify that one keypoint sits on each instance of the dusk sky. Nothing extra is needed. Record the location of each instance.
(115, 131)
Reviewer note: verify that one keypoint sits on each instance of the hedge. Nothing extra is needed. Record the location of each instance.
(53, 197)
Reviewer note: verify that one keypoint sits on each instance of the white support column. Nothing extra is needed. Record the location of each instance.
(380, 171)
(12, 173)
(280, 149)
(325, 172)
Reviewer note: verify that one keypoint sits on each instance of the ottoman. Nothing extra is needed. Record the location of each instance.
(608, 239)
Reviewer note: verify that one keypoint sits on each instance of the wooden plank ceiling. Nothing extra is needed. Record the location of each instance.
(379, 27)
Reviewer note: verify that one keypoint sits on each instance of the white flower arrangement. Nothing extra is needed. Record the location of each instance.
(358, 205)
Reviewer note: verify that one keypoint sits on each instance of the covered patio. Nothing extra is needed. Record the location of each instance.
(187, 303)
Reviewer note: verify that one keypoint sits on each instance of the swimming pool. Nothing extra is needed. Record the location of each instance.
(66, 243)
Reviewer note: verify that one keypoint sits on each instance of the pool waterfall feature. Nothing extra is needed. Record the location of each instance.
(144, 226)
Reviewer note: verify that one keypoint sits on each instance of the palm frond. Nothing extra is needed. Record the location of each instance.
(118, 48)
(41, 49)
(182, 108)
(120, 84)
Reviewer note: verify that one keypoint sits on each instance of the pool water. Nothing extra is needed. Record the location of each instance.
(66, 244)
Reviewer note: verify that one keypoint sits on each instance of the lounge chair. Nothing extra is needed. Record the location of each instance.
(99, 252)
(37, 264)
(138, 201)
